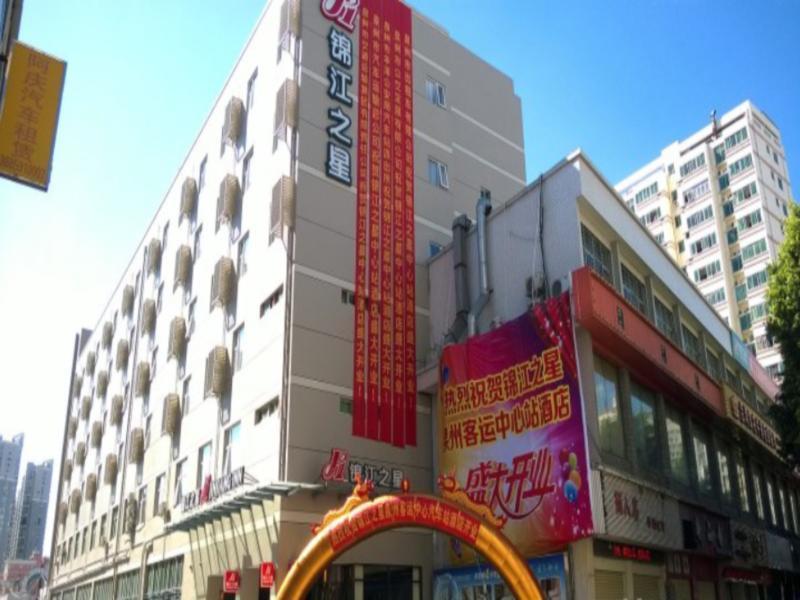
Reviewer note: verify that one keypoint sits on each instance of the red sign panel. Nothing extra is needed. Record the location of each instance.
(267, 574)
(231, 582)
(384, 361)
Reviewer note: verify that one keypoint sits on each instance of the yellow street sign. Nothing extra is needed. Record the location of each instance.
(30, 115)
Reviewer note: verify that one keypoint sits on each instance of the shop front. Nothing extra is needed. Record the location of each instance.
(746, 577)
(707, 543)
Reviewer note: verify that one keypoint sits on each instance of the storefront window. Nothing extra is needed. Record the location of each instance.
(702, 463)
(677, 452)
(758, 493)
(644, 426)
(724, 474)
(744, 497)
(773, 514)
(606, 387)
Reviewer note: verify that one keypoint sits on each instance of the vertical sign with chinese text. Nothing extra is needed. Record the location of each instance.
(511, 428)
(30, 115)
(384, 352)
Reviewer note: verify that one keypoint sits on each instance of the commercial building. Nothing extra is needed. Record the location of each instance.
(689, 499)
(30, 512)
(10, 453)
(217, 384)
(716, 202)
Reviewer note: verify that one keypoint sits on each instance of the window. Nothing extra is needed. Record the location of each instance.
(190, 316)
(784, 506)
(83, 539)
(793, 506)
(741, 477)
(716, 296)
(271, 301)
(186, 397)
(702, 463)
(644, 426)
(160, 298)
(633, 290)
(665, 321)
(247, 172)
(754, 250)
(596, 255)
(727, 208)
(736, 262)
(697, 191)
(707, 271)
(230, 450)
(435, 92)
(740, 165)
(265, 410)
(732, 235)
(758, 311)
(434, 248)
(714, 366)
(703, 244)
(158, 494)
(780, 183)
(241, 257)
(724, 475)
(112, 525)
(148, 421)
(437, 174)
(719, 154)
(238, 339)
(744, 193)
(691, 344)
(702, 215)
(757, 279)
(153, 363)
(346, 405)
(609, 421)
(773, 509)
(724, 181)
(93, 538)
(204, 466)
(745, 321)
(142, 505)
(251, 91)
(678, 465)
(692, 165)
(651, 217)
(741, 292)
(749, 220)
(201, 177)
(646, 193)
(180, 481)
(102, 534)
(736, 138)
(198, 234)
(348, 297)
(659, 237)
(758, 493)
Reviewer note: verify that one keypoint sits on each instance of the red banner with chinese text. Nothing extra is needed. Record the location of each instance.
(384, 361)
(512, 431)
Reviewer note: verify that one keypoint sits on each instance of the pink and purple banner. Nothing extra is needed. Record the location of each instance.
(511, 429)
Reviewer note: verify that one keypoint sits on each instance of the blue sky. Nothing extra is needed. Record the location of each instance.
(621, 79)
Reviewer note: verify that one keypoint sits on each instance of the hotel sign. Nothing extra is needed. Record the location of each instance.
(748, 419)
(213, 489)
(341, 468)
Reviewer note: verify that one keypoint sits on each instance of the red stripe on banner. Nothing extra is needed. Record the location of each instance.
(362, 200)
(398, 232)
(408, 222)
(386, 223)
(373, 373)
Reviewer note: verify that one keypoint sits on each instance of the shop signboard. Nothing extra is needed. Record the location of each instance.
(749, 544)
(708, 533)
(344, 469)
(511, 431)
(485, 583)
(267, 579)
(779, 553)
(213, 489)
(756, 426)
(639, 514)
(608, 549)
(231, 582)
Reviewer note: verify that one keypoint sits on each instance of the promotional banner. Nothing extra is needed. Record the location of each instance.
(511, 431)
(384, 350)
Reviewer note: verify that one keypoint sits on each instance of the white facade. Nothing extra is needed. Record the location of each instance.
(717, 201)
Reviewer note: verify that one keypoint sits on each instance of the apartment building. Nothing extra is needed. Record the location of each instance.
(689, 498)
(30, 512)
(217, 384)
(10, 453)
(716, 202)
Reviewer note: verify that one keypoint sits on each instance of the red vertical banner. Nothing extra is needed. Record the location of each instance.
(384, 353)
(398, 231)
(362, 206)
(408, 239)
(374, 157)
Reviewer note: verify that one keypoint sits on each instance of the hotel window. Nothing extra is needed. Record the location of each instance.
(186, 401)
(609, 420)
(701, 461)
(643, 412)
(679, 467)
(773, 508)
(633, 290)
(198, 234)
(724, 475)
(596, 255)
(741, 478)
(754, 250)
(93, 538)
(158, 494)
(435, 92)
(160, 298)
(148, 421)
(437, 174)
(749, 220)
(142, 505)
(102, 534)
(241, 257)
(231, 458)
(204, 466)
(665, 320)
(190, 316)
(180, 481)
(251, 91)
(238, 339)
(112, 525)
(247, 171)
(758, 493)
(201, 177)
